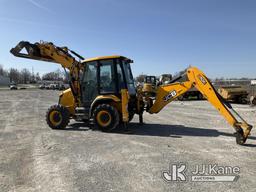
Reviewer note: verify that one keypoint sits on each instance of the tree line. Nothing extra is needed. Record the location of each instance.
(25, 76)
(140, 78)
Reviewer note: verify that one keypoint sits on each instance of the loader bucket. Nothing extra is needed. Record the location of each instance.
(31, 51)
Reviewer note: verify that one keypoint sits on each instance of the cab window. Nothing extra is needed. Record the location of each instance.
(107, 80)
(129, 78)
(120, 77)
(89, 84)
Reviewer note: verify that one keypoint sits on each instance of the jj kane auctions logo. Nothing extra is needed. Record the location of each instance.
(201, 173)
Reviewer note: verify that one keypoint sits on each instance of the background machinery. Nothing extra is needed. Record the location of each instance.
(103, 89)
(253, 93)
(150, 85)
(253, 100)
(165, 79)
(236, 94)
(150, 79)
(193, 93)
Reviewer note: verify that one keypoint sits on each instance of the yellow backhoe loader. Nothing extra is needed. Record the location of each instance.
(103, 89)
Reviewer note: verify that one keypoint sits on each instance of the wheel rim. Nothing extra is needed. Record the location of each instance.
(104, 118)
(55, 118)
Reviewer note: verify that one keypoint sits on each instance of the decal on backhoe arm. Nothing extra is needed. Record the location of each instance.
(202, 79)
(170, 95)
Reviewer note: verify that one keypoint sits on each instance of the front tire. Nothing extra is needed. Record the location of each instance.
(105, 117)
(57, 117)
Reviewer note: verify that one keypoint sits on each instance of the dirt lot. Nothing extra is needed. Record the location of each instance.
(35, 158)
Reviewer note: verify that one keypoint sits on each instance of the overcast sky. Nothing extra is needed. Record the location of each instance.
(161, 36)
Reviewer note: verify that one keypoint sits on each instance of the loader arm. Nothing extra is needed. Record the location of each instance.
(46, 51)
(196, 78)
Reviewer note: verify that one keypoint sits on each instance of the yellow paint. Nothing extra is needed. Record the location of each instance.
(67, 100)
(103, 57)
(125, 100)
(106, 97)
(148, 87)
(172, 91)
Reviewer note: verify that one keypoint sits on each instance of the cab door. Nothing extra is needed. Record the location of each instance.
(107, 75)
(89, 85)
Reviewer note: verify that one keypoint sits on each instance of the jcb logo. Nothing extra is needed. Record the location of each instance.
(176, 173)
(170, 95)
(202, 79)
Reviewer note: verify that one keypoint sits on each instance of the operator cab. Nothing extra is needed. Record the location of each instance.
(150, 80)
(106, 76)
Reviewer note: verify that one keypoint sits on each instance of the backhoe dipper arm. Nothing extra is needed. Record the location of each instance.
(46, 51)
(196, 78)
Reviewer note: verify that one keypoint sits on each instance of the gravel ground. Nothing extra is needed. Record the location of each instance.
(35, 158)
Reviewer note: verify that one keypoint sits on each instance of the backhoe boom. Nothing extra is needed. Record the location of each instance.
(196, 78)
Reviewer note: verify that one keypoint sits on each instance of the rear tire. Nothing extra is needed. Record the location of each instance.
(57, 117)
(105, 117)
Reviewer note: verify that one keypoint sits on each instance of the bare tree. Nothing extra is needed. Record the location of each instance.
(140, 78)
(25, 76)
(3, 72)
(14, 75)
(53, 76)
(38, 78)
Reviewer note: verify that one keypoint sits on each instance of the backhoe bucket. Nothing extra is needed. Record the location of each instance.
(32, 51)
(242, 133)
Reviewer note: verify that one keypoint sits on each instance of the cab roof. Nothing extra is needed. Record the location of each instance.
(104, 57)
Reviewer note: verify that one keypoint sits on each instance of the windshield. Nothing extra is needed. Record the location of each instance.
(129, 77)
